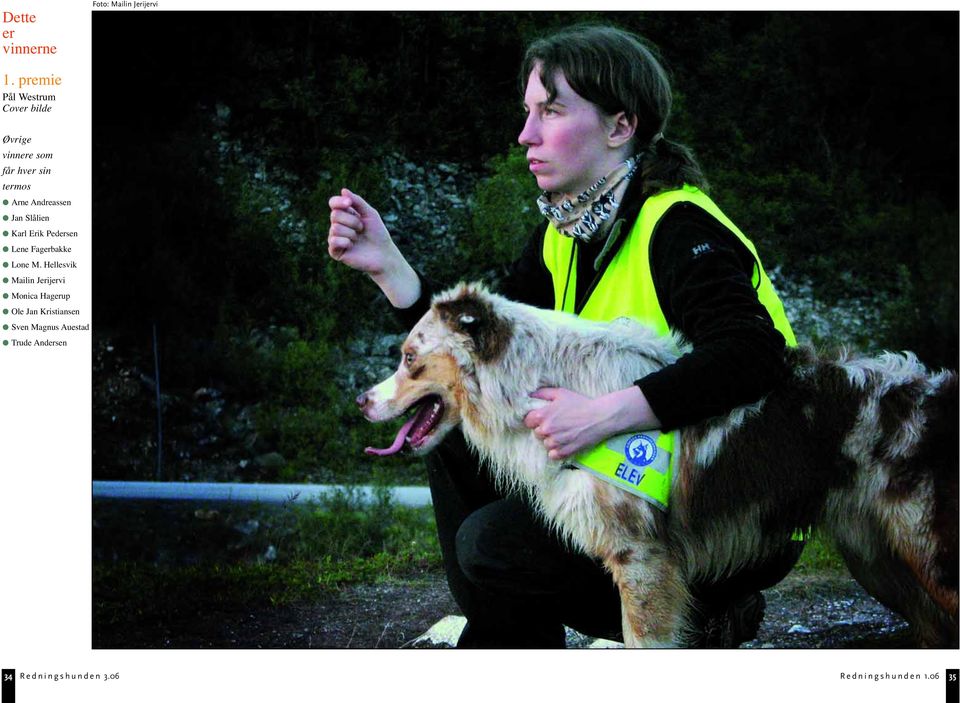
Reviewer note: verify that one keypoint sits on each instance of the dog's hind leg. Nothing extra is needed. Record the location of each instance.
(653, 597)
(893, 581)
(899, 571)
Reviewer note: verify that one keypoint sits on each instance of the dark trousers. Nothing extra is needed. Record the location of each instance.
(516, 582)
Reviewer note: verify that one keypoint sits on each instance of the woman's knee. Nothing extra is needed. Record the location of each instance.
(476, 548)
(493, 542)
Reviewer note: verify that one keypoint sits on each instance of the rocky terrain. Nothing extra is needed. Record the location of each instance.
(803, 612)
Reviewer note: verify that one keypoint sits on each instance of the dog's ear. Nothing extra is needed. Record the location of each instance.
(474, 317)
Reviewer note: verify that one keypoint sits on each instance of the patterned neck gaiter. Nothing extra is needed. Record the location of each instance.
(584, 219)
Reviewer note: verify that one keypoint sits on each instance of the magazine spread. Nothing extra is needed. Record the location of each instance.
(230, 468)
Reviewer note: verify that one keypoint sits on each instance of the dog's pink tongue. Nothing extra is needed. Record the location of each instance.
(397, 443)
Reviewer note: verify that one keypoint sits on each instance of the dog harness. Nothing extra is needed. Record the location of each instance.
(640, 462)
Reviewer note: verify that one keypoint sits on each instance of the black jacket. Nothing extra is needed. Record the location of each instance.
(702, 274)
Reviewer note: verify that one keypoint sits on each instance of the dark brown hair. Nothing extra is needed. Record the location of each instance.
(618, 72)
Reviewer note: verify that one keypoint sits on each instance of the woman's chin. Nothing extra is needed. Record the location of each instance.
(551, 184)
(545, 182)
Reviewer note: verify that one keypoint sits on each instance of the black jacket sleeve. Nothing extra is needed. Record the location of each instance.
(529, 280)
(702, 274)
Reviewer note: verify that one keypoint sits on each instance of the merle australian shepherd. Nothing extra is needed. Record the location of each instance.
(866, 449)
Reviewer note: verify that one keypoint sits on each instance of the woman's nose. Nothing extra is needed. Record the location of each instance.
(529, 134)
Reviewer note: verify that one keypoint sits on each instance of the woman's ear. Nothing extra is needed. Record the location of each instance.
(621, 129)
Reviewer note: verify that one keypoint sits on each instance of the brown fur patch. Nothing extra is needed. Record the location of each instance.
(441, 369)
(623, 556)
(618, 510)
(472, 316)
(683, 484)
(795, 465)
(468, 410)
(605, 496)
(629, 518)
(432, 374)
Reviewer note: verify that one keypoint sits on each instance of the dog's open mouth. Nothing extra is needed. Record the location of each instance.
(427, 414)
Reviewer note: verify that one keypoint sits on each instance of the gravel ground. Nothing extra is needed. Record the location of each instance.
(802, 612)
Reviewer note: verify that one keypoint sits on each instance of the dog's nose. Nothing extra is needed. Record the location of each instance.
(361, 400)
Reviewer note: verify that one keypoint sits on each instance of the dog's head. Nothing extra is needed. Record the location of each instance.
(436, 379)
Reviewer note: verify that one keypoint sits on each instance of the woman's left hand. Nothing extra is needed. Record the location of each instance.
(570, 422)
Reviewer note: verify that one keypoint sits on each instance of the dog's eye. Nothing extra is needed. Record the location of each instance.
(408, 358)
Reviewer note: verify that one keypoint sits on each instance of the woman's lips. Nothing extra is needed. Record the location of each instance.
(536, 165)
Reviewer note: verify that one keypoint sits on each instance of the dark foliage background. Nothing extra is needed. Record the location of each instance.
(831, 138)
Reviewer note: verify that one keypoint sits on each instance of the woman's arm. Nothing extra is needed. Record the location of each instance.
(359, 239)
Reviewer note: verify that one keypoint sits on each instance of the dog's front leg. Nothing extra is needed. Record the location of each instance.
(653, 597)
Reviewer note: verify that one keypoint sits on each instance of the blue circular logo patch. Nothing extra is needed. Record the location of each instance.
(641, 450)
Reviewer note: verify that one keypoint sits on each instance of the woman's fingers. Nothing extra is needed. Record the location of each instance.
(360, 207)
(338, 246)
(346, 218)
(338, 230)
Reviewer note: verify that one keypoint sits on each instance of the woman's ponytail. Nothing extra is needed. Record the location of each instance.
(667, 165)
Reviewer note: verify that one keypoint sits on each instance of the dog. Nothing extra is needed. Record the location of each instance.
(865, 449)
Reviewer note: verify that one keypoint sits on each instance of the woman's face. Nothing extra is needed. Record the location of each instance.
(567, 140)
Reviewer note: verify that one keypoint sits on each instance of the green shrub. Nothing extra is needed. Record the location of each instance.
(343, 526)
(819, 556)
(923, 316)
(318, 548)
(503, 215)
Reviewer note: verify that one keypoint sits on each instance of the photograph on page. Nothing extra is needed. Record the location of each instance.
(524, 330)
